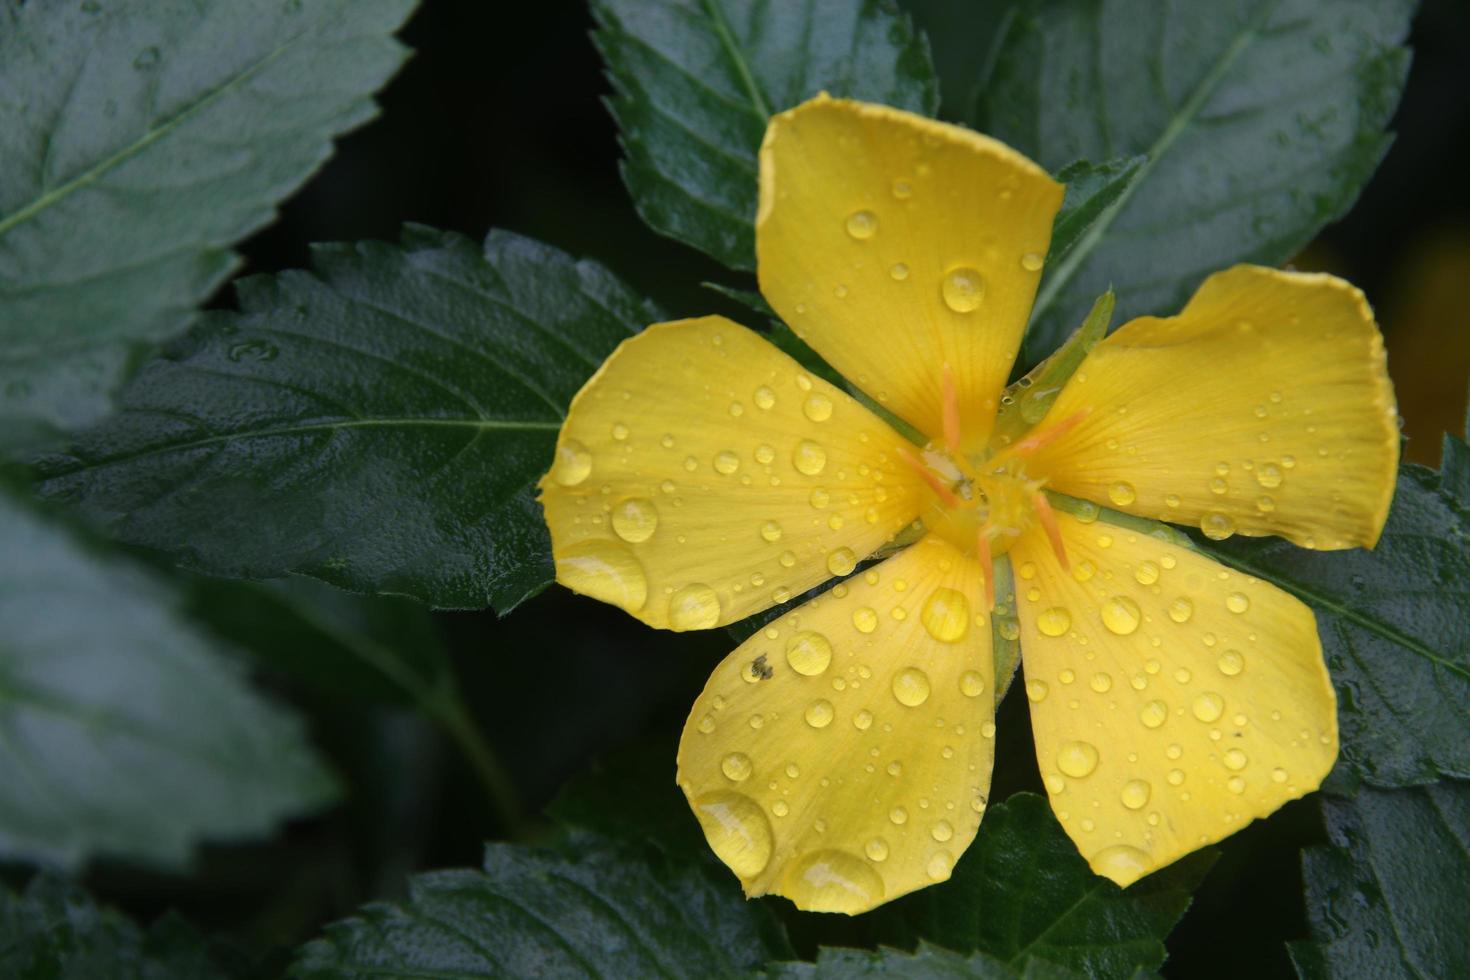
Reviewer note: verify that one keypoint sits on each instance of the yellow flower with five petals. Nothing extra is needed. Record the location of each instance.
(842, 755)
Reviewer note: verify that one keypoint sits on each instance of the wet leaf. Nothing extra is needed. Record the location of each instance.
(696, 81)
(1260, 120)
(142, 138)
(927, 963)
(1386, 897)
(127, 733)
(378, 424)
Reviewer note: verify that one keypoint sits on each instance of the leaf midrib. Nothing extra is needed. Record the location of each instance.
(716, 15)
(479, 425)
(149, 137)
(1177, 124)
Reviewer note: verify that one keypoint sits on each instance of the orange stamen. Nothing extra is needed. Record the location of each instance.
(943, 492)
(1049, 435)
(951, 409)
(987, 565)
(1048, 518)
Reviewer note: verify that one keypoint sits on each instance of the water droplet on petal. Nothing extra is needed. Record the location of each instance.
(694, 607)
(817, 407)
(819, 714)
(946, 615)
(1153, 714)
(1121, 615)
(1031, 262)
(898, 271)
(1181, 609)
(1231, 663)
(726, 462)
(963, 289)
(1147, 573)
(1208, 707)
(809, 458)
(862, 225)
(1136, 793)
(864, 619)
(737, 830)
(809, 653)
(573, 463)
(1054, 621)
(771, 531)
(876, 849)
(911, 687)
(1237, 602)
(939, 866)
(1217, 526)
(841, 562)
(1077, 759)
(1102, 682)
(1236, 760)
(1037, 690)
(635, 519)
(903, 189)
(1122, 493)
(765, 455)
(736, 767)
(604, 570)
(1121, 863)
(863, 720)
(1269, 475)
(942, 831)
(972, 684)
(833, 881)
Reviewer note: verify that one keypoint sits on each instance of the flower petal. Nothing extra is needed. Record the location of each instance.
(1263, 408)
(894, 245)
(1173, 700)
(702, 476)
(841, 757)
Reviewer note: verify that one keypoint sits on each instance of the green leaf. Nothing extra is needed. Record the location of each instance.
(1260, 120)
(379, 424)
(56, 931)
(124, 732)
(1091, 190)
(1022, 891)
(142, 138)
(1393, 630)
(697, 80)
(595, 910)
(966, 48)
(927, 963)
(1387, 897)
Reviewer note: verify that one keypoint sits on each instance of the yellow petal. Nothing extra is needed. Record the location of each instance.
(841, 757)
(1173, 700)
(702, 476)
(1263, 408)
(894, 245)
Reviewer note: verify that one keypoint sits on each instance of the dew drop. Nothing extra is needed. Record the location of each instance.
(817, 407)
(1146, 573)
(903, 188)
(726, 462)
(737, 830)
(1037, 690)
(1208, 707)
(1031, 262)
(833, 881)
(1231, 663)
(1122, 863)
(809, 653)
(635, 519)
(1217, 526)
(1122, 493)
(963, 289)
(898, 816)
(1077, 759)
(1121, 615)
(1237, 602)
(1235, 784)
(1172, 500)
(1278, 775)
(771, 531)
(694, 607)
(765, 455)
(809, 458)
(604, 570)
(1102, 682)
(863, 720)
(736, 767)
(780, 808)
(573, 463)
(864, 619)
(841, 562)
(942, 831)
(819, 714)
(1084, 570)
(862, 225)
(1136, 793)
(911, 687)
(972, 685)
(619, 431)
(1181, 609)
(898, 271)
(1269, 475)
(764, 398)
(1054, 621)
(1236, 760)
(876, 849)
(1153, 714)
(946, 615)
(939, 866)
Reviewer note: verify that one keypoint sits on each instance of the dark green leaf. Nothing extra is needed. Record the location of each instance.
(966, 48)
(124, 732)
(142, 138)
(631, 795)
(1022, 891)
(55, 932)
(697, 81)
(1387, 898)
(1393, 629)
(1260, 121)
(1091, 190)
(379, 424)
(594, 911)
(927, 963)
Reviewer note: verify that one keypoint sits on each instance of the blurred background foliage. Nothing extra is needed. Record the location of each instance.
(495, 122)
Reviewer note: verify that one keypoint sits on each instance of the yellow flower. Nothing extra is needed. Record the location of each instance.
(842, 755)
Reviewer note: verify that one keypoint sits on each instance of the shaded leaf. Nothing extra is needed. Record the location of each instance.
(1393, 630)
(697, 80)
(1387, 897)
(1260, 121)
(1022, 891)
(593, 911)
(1091, 190)
(378, 424)
(54, 930)
(124, 732)
(927, 963)
(142, 138)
